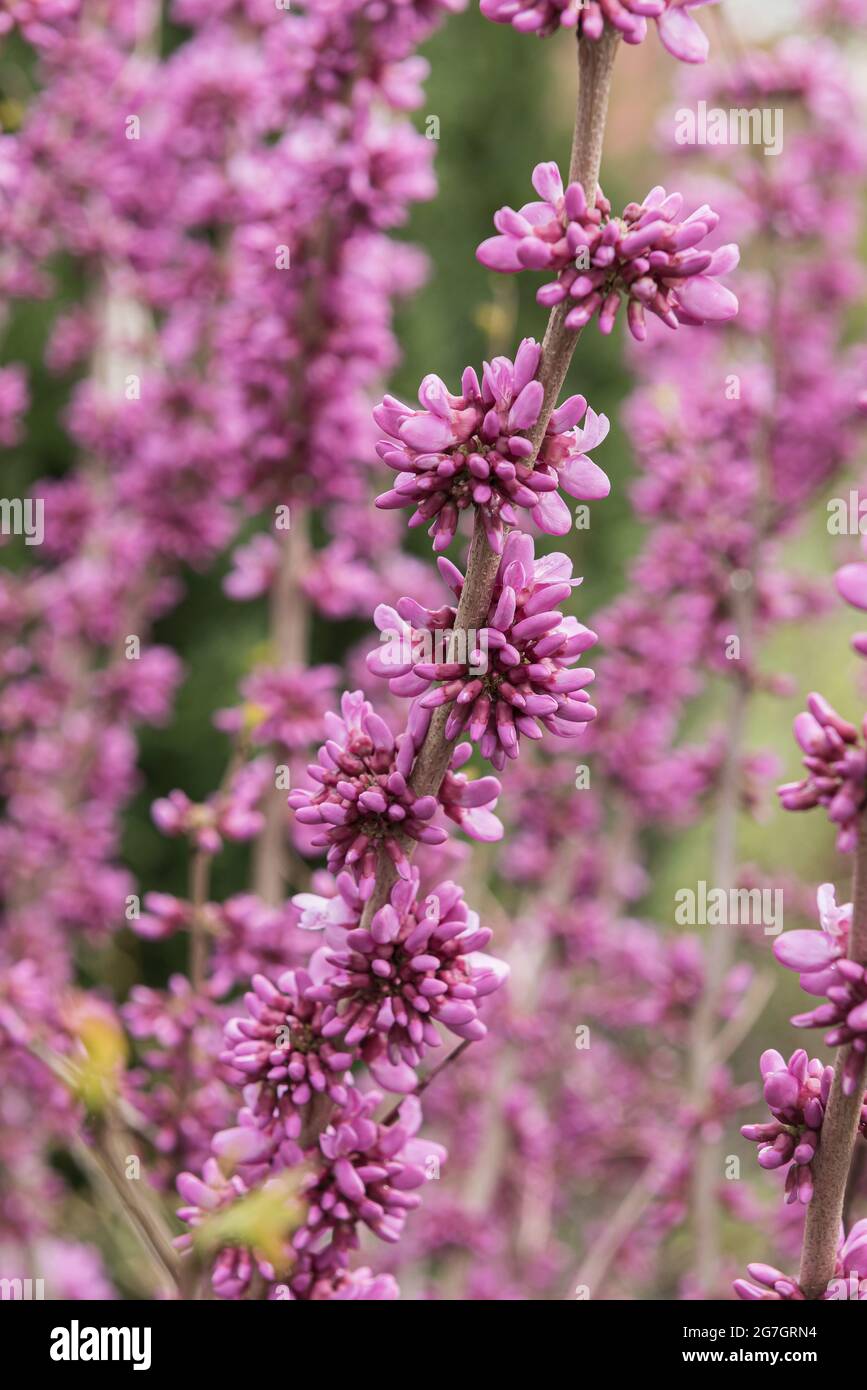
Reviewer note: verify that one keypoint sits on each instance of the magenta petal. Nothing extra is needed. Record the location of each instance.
(851, 582)
(682, 36)
(533, 253)
(397, 1077)
(547, 182)
(525, 410)
(347, 1179)
(805, 950)
(499, 253)
(857, 1019)
(706, 299)
(552, 515)
(482, 825)
(582, 478)
(725, 259)
(426, 432)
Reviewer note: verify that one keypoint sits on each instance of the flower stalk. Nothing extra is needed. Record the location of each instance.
(596, 66)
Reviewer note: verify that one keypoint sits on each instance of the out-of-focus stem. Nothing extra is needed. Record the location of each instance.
(840, 1127)
(651, 1181)
(705, 1214)
(107, 1153)
(200, 877)
(595, 64)
(718, 959)
(290, 618)
(289, 622)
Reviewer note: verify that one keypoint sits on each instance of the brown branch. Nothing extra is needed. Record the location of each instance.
(453, 1056)
(595, 63)
(289, 623)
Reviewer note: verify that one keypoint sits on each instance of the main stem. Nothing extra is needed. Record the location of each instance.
(595, 66)
(718, 959)
(840, 1127)
(200, 874)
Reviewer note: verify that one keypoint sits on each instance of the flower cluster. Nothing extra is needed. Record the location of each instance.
(836, 763)
(796, 1092)
(370, 1175)
(280, 1045)
(679, 32)
(821, 961)
(520, 668)
(420, 963)
(363, 797)
(472, 451)
(647, 256)
(232, 813)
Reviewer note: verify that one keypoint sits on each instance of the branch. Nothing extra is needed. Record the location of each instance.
(453, 1056)
(289, 623)
(595, 64)
(200, 876)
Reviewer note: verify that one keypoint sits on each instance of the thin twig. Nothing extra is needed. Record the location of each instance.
(453, 1056)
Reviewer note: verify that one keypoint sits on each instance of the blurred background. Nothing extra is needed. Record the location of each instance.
(503, 104)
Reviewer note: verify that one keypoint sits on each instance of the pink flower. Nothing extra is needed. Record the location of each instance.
(231, 813)
(234, 1266)
(419, 964)
(521, 669)
(364, 800)
(836, 763)
(814, 954)
(280, 1045)
(369, 1176)
(255, 566)
(285, 706)
(851, 1268)
(472, 450)
(646, 256)
(797, 1092)
(679, 32)
(820, 958)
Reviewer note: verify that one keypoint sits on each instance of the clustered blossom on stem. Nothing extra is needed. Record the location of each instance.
(825, 970)
(849, 1281)
(646, 256)
(679, 32)
(815, 954)
(282, 705)
(370, 1175)
(232, 813)
(520, 670)
(420, 963)
(280, 1046)
(836, 761)
(796, 1092)
(363, 797)
(472, 451)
